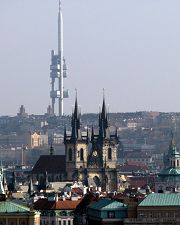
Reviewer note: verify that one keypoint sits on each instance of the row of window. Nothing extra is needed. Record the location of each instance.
(60, 222)
(150, 214)
(175, 163)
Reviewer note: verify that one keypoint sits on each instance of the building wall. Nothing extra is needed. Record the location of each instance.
(155, 215)
(31, 218)
(36, 140)
(110, 154)
(74, 159)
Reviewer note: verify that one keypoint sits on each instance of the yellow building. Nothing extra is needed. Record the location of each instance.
(36, 140)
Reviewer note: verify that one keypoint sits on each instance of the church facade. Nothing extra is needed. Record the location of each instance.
(91, 158)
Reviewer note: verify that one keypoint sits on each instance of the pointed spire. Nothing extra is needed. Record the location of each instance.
(74, 131)
(59, 5)
(104, 114)
(45, 180)
(116, 133)
(76, 114)
(76, 107)
(172, 146)
(87, 135)
(101, 131)
(4, 182)
(30, 188)
(104, 106)
(65, 135)
(51, 150)
(1, 183)
(92, 134)
(75, 122)
(14, 184)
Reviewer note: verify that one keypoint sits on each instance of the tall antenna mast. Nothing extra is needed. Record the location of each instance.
(60, 53)
(58, 69)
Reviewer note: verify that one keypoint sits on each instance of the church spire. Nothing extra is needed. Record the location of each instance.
(103, 121)
(101, 131)
(51, 150)
(104, 113)
(172, 146)
(30, 187)
(75, 123)
(92, 134)
(116, 134)
(65, 135)
(1, 183)
(76, 112)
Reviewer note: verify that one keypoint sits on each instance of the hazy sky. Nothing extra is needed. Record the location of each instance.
(131, 48)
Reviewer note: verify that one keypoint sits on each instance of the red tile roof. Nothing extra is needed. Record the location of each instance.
(44, 204)
(132, 168)
(136, 182)
(77, 190)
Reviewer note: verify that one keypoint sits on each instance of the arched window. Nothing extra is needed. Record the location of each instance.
(81, 154)
(70, 154)
(109, 153)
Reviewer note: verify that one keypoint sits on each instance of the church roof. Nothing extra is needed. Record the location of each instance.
(50, 163)
(160, 199)
(11, 207)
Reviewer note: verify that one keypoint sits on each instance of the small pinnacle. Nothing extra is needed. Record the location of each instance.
(59, 5)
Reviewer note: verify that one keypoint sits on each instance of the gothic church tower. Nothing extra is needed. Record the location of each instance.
(76, 146)
(103, 155)
(94, 159)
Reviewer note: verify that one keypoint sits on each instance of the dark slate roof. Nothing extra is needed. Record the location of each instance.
(50, 163)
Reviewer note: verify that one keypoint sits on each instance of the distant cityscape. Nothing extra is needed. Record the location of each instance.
(88, 169)
(72, 168)
(145, 132)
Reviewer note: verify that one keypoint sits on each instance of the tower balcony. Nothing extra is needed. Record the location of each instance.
(55, 94)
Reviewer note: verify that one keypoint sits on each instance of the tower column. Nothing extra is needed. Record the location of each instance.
(60, 53)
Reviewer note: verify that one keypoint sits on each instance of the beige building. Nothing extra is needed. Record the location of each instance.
(36, 140)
